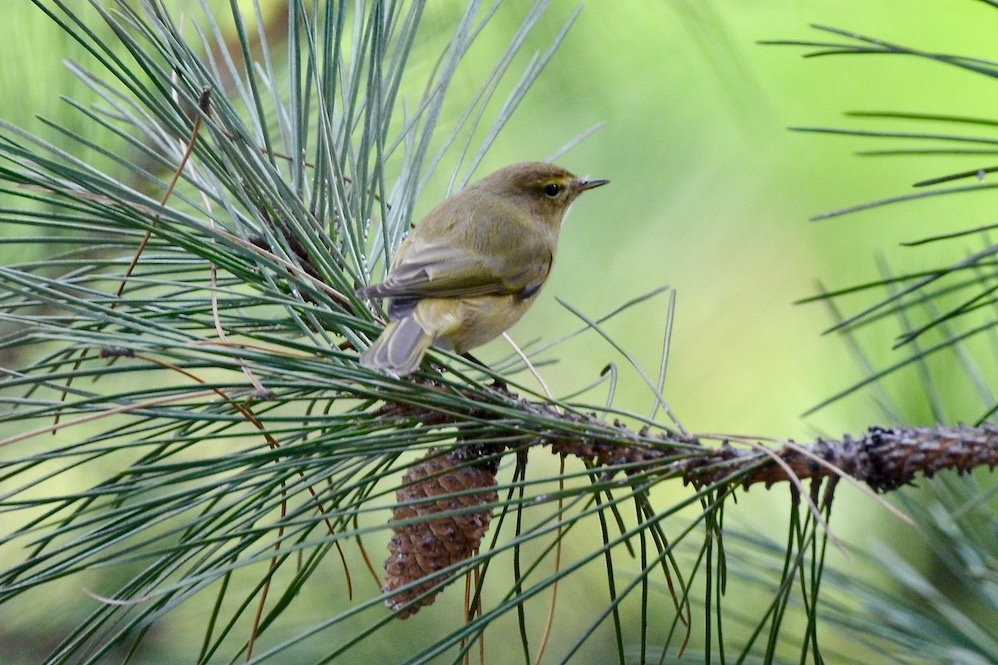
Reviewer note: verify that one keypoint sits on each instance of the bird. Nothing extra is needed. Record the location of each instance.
(474, 265)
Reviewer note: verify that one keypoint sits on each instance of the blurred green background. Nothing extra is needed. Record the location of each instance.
(710, 193)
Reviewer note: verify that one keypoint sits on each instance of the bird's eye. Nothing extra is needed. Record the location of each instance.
(552, 190)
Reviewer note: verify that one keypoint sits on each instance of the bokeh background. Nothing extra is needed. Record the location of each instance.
(711, 193)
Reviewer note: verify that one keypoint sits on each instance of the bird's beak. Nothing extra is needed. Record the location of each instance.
(582, 184)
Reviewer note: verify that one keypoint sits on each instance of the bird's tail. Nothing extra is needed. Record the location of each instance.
(400, 347)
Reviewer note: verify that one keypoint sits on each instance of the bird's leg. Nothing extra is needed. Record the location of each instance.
(497, 384)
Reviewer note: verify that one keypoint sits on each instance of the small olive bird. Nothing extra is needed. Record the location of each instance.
(474, 265)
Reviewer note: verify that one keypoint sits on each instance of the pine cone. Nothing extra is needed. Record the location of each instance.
(421, 548)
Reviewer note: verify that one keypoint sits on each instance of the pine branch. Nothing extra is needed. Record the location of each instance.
(883, 458)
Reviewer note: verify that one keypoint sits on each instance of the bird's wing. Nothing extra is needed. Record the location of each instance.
(440, 271)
